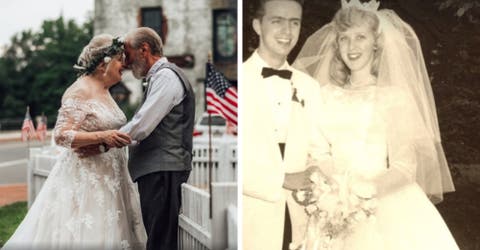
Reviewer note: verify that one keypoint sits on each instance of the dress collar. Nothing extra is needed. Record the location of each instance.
(155, 67)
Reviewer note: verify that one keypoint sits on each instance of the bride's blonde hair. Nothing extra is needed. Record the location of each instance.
(344, 19)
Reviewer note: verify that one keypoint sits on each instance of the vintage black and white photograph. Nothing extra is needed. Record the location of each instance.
(359, 124)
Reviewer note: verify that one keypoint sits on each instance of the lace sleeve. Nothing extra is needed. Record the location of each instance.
(414, 151)
(319, 154)
(405, 134)
(70, 116)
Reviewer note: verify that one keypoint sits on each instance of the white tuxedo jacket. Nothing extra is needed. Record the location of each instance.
(262, 164)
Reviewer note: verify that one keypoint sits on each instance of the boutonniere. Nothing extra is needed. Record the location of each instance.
(144, 82)
(296, 99)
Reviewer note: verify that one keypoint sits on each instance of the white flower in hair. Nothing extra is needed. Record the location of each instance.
(371, 5)
(107, 59)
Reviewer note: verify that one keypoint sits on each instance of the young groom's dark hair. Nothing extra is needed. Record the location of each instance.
(260, 7)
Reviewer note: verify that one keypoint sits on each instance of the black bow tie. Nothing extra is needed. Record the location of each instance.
(267, 72)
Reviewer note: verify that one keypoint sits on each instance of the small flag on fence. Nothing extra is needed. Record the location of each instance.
(42, 128)
(28, 130)
(221, 96)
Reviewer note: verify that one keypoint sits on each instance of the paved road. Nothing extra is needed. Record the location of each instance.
(13, 162)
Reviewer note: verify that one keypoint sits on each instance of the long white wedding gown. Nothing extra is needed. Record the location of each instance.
(88, 203)
(355, 126)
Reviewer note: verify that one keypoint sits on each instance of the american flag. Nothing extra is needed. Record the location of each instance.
(42, 128)
(28, 130)
(221, 95)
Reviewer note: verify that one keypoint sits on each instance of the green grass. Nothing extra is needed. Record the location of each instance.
(10, 217)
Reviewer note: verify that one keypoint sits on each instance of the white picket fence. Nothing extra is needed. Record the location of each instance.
(199, 231)
(196, 229)
(41, 161)
(224, 161)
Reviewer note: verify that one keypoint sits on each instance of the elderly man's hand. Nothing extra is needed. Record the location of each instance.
(114, 138)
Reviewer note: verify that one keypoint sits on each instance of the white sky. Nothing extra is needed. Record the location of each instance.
(19, 15)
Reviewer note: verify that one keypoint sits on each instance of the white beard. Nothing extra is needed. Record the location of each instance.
(138, 68)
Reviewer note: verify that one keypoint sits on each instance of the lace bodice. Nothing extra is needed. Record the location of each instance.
(358, 125)
(355, 132)
(88, 115)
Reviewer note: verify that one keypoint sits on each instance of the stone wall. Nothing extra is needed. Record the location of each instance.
(190, 32)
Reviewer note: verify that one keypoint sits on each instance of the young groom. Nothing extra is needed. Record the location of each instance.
(278, 117)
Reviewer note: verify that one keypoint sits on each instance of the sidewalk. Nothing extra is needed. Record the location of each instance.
(16, 136)
(12, 193)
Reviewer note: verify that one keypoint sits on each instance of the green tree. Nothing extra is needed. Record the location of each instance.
(36, 67)
(467, 9)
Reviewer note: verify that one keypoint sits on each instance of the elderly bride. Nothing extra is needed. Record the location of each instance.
(87, 203)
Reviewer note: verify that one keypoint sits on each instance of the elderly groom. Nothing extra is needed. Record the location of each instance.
(161, 162)
(278, 116)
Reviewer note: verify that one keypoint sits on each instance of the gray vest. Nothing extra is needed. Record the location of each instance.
(169, 146)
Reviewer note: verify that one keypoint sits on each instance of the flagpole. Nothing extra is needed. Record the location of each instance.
(220, 98)
(28, 140)
(209, 60)
(45, 121)
(210, 163)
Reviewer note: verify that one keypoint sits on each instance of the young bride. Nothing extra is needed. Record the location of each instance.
(381, 125)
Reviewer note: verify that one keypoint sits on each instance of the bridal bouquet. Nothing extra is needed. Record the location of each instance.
(335, 206)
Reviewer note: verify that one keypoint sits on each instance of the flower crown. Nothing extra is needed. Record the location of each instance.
(114, 49)
(371, 5)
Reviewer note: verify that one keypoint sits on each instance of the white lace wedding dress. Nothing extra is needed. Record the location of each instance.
(88, 203)
(357, 133)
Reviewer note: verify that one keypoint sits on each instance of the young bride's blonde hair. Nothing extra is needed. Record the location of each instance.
(344, 19)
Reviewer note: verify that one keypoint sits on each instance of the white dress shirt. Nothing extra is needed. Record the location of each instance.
(280, 100)
(163, 92)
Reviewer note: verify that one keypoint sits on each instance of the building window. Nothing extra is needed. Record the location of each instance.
(153, 17)
(225, 35)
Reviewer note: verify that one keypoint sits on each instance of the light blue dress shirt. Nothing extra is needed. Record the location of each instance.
(163, 92)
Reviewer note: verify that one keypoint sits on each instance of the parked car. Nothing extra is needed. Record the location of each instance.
(218, 125)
